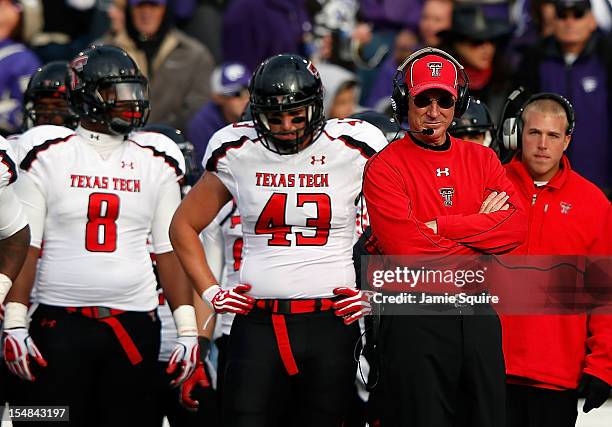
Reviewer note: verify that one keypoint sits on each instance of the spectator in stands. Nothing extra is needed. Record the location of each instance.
(477, 42)
(230, 96)
(406, 42)
(17, 64)
(254, 30)
(178, 67)
(341, 94)
(576, 61)
(437, 16)
(67, 28)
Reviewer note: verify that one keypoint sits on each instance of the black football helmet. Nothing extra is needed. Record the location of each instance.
(285, 83)
(106, 86)
(45, 101)
(475, 120)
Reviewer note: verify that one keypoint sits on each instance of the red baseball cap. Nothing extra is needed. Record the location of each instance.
(432, 72)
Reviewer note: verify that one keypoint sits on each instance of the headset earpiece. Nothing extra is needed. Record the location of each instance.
(512, 127)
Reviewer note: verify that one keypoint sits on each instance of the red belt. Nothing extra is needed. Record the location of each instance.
(280, 307)
(294, 306)
(107, 315)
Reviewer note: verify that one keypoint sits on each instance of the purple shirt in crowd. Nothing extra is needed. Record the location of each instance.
(202, 126)
(383, 84)
(391, 14)
(254, 30)
(17, 64)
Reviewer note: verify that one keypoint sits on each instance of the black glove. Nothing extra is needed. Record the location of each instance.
(204, 348)
(594, 390)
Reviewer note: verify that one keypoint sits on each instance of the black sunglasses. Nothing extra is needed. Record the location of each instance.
(444, 101)
(576, 12)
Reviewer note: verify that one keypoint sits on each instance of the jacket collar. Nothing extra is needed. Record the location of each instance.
(552, 48)
(517, 168)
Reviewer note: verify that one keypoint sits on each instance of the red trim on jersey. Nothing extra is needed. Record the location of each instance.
(365, 150)
(170, 161)
(27, 161)
(10, 165)
(284, 346)
(221, 152)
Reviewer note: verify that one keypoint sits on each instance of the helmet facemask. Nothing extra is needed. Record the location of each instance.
(307, 112)
(49, 107)
(123, 105)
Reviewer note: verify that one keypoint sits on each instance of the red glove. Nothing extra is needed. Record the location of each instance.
(183, 359)
(353, 306)
(19, 349)
(199, 378)
(230, 300)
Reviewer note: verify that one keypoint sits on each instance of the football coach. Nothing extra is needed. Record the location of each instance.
(434, 195)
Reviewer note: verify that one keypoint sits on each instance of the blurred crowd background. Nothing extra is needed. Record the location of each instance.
(199, 54)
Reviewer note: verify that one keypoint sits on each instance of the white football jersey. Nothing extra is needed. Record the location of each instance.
(8, 166)
(12, 217)
(297, 211)
(99, 212)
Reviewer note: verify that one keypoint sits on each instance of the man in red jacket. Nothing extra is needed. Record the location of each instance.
(431, 194)
(550, 358)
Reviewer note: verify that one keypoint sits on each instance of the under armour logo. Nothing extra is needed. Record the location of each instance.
(94, 136)
(314, 160)
(565, 207)
(435, 68)
(445, 172)
(127, 165)
(48, 323)
(447, 195)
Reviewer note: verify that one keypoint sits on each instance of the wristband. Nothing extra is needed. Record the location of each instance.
(185, 321)
(15, 315)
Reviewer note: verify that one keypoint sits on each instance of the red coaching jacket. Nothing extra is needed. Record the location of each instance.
(407, 184)
(566, 217)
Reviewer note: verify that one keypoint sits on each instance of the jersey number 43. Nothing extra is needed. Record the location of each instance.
(272, 220)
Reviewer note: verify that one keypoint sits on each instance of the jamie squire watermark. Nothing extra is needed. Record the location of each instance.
(427, 299)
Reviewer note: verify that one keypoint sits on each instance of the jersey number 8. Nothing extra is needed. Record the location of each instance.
(101, 228)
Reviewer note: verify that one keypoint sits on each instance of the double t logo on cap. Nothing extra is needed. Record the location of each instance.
(435, 68)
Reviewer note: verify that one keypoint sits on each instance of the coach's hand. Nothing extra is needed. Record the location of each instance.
(230, 300)
(495, 202)
(594, 390)
(353, 306)
(19, 348)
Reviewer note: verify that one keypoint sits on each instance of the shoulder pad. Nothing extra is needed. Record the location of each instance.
(357, 133)
(231, 136)
(161, 146)
(36, 140)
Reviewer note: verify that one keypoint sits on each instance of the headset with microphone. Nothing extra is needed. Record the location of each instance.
(399, 97)
(512, 127)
